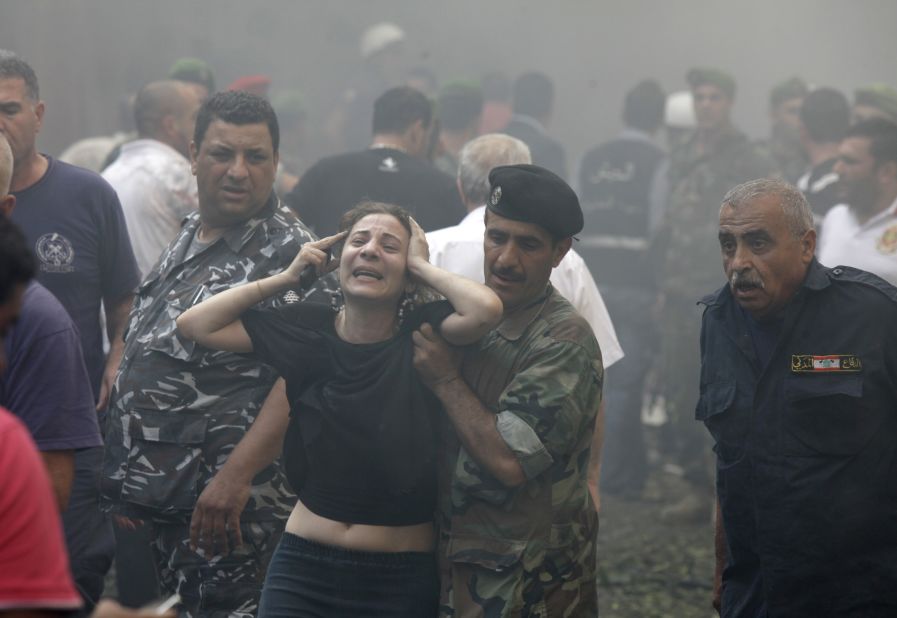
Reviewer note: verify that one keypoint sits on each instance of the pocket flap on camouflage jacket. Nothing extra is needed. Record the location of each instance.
(172, 427)
(489, 553)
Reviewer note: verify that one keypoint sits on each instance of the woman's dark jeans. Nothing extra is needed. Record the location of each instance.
(308, 579)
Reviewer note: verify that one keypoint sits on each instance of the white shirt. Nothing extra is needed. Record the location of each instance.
(157, 190)
(871, 246)
(459, 249)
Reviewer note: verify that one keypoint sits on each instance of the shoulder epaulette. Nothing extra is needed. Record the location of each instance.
(855, 275)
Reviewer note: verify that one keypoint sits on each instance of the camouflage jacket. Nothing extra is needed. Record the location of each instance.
(699, 181)
(789, 158)
(528, 550)
(177, 409)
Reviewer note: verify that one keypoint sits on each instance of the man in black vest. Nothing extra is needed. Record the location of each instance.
(623, 187)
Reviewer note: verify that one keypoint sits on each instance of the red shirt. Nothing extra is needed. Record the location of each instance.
(34, 566)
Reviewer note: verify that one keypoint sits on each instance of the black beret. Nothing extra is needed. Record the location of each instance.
(532, 194)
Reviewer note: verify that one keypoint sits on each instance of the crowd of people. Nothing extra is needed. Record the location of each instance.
(372, 383)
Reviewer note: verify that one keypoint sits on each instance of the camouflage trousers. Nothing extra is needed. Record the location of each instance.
(681, 352)
(223, 586)
(564, 585)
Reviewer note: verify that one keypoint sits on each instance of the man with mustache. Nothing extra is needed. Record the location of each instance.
(178, 409)
(862, 232)
(517, 526)
(797, 389)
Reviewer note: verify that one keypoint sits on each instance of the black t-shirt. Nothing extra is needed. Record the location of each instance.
(337, 184)
(360, 447)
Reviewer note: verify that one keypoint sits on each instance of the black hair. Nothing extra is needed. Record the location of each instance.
(236, 107)
(459, 106)
(882, 135)
(17, 265)
(398, 108)
(12, 66)
(825, 113)
(644, 105)
(533, 95)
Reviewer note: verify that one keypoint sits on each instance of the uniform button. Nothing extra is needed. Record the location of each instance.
(837, 271)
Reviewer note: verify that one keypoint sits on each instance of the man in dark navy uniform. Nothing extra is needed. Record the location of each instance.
(799, 390)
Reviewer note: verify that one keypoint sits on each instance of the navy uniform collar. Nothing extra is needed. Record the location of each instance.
(817, 278)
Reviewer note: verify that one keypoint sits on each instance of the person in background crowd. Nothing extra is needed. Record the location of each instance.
(862, 231)
(34, 570)
(679, 118)
(459, 108)
(784, 145)
(533, 104)
(824, 117)
(875, 101)
(74, 223)
(497, 109)
(253, 84)
(517, 525)
(293, 115)
(179, 409)
(152, 174)
(194, 71)
(393, 170)
(384, 66)
(459, 249)
(624, 187)
(797, 389)
(713, 159)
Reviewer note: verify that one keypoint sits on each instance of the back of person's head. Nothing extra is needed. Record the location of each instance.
(825, 114)
(155, 101)
(533, 95)
(882, 136)
(480, 155)
(12, 66)
(194, 71)
(644, 106)
(236, 107)
(496, 87)
(17, 265)
(459, 106)
(399, 108)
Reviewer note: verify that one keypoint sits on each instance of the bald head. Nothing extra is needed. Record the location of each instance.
(166, 111)
(477, 159)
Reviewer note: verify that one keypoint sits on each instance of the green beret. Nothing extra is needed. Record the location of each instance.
(715, 77)
(193, 70)
(532, 194)
(789, 89)
(879, 96)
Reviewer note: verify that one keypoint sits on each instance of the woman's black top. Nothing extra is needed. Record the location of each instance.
(361, 446)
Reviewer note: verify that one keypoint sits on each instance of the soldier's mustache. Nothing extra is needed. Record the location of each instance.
(509, 274)
(746, 280)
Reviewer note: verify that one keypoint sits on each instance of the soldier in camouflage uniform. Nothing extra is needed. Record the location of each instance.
(715, 158)
(517, 526)
(178, 409)
(874, 101)
(784, 147)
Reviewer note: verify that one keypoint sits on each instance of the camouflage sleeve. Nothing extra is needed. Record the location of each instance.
(549, 404)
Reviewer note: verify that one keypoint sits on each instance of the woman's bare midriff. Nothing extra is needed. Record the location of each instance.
(362, 537)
